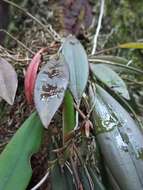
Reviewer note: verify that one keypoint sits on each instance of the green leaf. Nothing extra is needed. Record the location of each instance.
(84, 178)
(62, 179)
(68, 113)
(119, 138)
(50, 88)
(133, 45)
(119, 64)
(110, 59)
(77, 61)
(96, 181)
(110, 78)
(113, 184)
(15, 169)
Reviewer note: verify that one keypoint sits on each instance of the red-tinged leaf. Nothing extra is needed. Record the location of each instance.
(75, 13)
(8, 81)
(88, 126)
(31, 74)
(50, 88)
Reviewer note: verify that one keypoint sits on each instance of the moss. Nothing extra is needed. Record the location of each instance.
(125, 17)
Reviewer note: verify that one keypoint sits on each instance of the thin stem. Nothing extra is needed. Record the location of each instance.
(98, 27)
(41, 181)
(75, 174)
(80, 112)
(19, 42)
(91, 109)
(76, 120)
(49, 28)
(106, 50)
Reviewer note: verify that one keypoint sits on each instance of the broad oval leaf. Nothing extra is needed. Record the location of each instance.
(50, 87)
(31, 74)
(110, 78)
(77, 61)
(15, 169)
(119, 139)
(132, 45)
(8, 81)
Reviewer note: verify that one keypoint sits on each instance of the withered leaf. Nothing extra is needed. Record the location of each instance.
(31, 74)
(75, 13)
(8, 81)
(50, 88)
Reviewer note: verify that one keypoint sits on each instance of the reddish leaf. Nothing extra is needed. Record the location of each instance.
(31, 74)
(88, 126)
(8, 81)
(49, 90)
(75, 13)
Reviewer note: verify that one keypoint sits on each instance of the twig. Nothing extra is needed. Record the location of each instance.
(49, 28)
(5, 54)
(41, 181)
(90, 109)
(80, 112)
(75, 174)
(106, 50)
(98, 27)
(19, 42)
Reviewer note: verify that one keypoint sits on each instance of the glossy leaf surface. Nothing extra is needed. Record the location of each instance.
(110, 78)
(119, 138)
(50, 88)
(77, 61)
(8, 81)
(15, 169)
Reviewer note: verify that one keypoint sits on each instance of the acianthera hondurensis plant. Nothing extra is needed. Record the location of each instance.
(98, 141)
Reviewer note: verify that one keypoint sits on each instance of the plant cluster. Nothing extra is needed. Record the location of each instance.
(99, 143)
